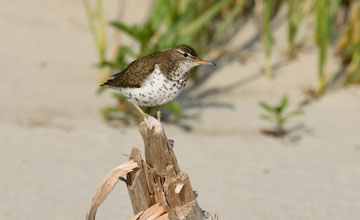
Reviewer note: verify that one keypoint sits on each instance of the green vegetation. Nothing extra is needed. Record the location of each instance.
(329, 17)
(267, 16)
(277, 116)
(97, 27)
(348, 46)
(204, 24)
(295, 15)
(170, 23)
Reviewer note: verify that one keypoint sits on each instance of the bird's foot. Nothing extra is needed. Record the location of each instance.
(140, 111)
(158, 114)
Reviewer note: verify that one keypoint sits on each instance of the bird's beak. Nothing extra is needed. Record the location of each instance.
(204, 62)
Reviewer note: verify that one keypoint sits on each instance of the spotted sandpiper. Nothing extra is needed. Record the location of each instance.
(156, 79)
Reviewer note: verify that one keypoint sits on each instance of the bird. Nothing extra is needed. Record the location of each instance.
(156, 79)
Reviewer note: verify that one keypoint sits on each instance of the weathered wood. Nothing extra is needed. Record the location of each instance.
(107, 185)
(167, 184)
(137, 185)
(158, 189)
(154, 212)
(158, 150)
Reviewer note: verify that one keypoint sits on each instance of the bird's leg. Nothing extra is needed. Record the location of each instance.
(158, 113)
(139, 109)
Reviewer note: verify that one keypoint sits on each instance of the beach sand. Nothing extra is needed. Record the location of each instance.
(56, 147)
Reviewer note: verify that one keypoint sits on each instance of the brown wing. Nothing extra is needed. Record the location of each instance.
(134, 74)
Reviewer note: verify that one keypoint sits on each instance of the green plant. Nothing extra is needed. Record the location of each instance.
(277, 116)
(326, 14)
(325, 11)
(97, 27)
(172, 23)
(268, 41)
(295, 16)
(348, 46)
(203, 24)
(266, 10)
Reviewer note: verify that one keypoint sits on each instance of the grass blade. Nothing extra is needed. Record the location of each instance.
(293, 113)
(267, 107)
(268, 118)
(325, 12)
(283, 103)
(132, 31)
(228, 20)
(268, 7)
(295, 15)
(175, 108)
(196, 24)
(97, 26)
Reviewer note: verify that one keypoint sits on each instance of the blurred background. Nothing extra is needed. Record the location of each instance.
(271, 133)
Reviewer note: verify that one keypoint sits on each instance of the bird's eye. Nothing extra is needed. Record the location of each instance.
(185, 55)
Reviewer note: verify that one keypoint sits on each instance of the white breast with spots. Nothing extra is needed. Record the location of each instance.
(154, 91)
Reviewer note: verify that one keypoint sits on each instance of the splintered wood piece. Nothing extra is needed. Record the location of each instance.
(137, 184)
(155, 212)
(107, 185)
(136, 217)
(184, 196)
(179, 187)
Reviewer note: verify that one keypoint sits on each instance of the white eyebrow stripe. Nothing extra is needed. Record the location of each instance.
(182, 52)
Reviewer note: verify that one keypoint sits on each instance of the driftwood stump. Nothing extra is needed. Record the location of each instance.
(158, 189)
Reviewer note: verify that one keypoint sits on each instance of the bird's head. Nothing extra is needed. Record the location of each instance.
(187, 57)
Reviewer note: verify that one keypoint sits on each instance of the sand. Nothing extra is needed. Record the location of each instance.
(56, 147)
